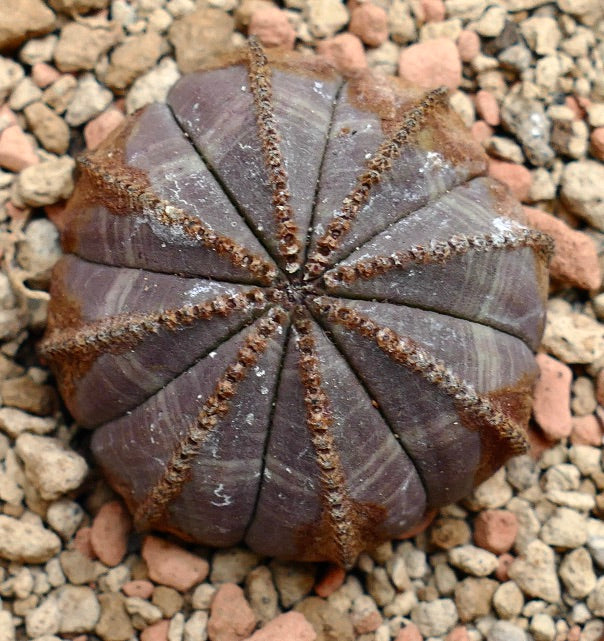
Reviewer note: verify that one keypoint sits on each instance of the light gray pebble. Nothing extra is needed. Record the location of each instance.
(115, 578)
(435, 618)
(580, 613)
(52, 468)
(202, 596)
(152, 86)
(79, 608)
(582, 190)
(45, 619)
(542, 34)
(379, 586)
(232, 565)
(11, 74)
(535, 572)
(543, 627)
(54, 572)
(579, 501)
(595, 545)
(561, 477)
(24, 94)
(595, 114)
(566, 528)
(504, 148)
(261, 594)
(64, 517)
(577, 573)
(445, 579)
(38, 50)
(595, 601)
(40, 249)
(137, 607)
(41, 582)
(47, 182)
(542, 185)
(397, 570)
(506, 631)
(196, 627)
(528, 524)
(493, 493)
(177, 627)
(26, 542)
(23, 583)
(7, 626)
(586, 458)
(14, 421)
(517, 57)
(293, 580)
(415, 560)
(508, 600)
(402, 604)
(473, 560)
(527, 120)
(89, 100)
(593, 630)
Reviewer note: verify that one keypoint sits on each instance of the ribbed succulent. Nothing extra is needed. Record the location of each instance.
(296, 310)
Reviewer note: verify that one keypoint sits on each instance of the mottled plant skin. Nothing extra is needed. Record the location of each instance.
(296, 310)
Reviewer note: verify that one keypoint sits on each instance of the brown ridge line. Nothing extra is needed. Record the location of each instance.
(259, 74)
(409, 353)
(135, 196)
(377, 165)
(441, 251)
(339, 511)
(178, 469)
(126, 330)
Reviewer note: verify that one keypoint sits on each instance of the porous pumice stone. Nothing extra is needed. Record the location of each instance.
(295, 309)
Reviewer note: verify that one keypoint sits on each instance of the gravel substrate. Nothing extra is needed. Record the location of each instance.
(522, 558)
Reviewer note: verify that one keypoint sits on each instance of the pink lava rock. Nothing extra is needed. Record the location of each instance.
(517, 177)
(140, 588)
(171, 565)
(409, 633)
(43, 74)
(231, 618)
(156, 632)
(100, 127)
(586, 431)
(434, 10)
(468, 45)
(481, 131)
(109, 533)
(495, 530)
(370, 23)
(344, 51)
(459, 633)
(574, 633)
(332, 579)
(431, 64)
(487, 107)
(16, 150)
(597, 143)
(575, 259)
(292, 626)
(501, 572)
(551, 406)
(81, 542)
(272, 27)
